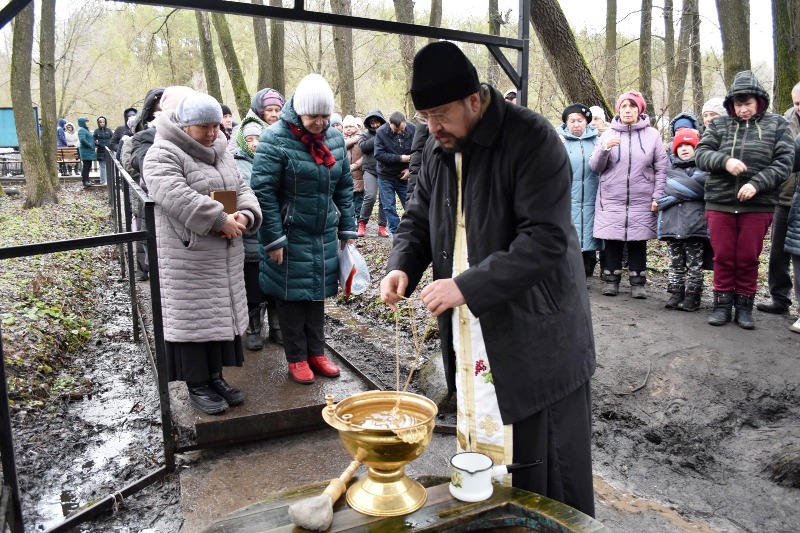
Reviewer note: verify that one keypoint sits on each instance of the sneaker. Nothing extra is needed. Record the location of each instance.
(362, 229)
(322, 366)
(382, 231)
(301, 373)
(795, 327)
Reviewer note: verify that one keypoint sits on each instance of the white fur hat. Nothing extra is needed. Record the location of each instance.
(598, 111)
(313, 96)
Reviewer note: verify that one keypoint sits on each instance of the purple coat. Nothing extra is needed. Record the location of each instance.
(632, 175)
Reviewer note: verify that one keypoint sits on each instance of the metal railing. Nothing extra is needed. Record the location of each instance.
(121, 190)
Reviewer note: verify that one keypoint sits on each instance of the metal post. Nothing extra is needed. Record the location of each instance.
(523, 56)
(158, 335)
(7, 449)
(126, 193)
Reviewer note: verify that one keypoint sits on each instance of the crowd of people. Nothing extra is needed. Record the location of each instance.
(710, 192)
(512, 214)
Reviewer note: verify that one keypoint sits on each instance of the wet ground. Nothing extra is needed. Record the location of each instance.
(688, 421)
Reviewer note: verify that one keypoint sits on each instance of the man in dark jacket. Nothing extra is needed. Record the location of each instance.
(414, 164)
(123, 130)
(102, 138)
(372, 122)
(393, 152)
(778, 279)
(491, 213)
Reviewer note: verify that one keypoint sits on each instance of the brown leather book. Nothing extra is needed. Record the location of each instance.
(227, 199)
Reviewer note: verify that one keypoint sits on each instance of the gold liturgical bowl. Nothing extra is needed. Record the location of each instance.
(386, 491)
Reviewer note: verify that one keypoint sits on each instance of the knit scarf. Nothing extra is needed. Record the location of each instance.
(317, 149)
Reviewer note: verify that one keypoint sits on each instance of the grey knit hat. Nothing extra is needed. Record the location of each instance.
(313, 96)
(252, 128)
(715, 105)
(198, 108)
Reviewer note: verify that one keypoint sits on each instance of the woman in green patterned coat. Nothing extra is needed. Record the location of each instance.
(301, 177)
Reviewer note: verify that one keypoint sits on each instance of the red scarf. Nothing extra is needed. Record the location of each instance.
(313, 141)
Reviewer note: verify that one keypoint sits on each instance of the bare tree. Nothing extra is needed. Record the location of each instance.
(646, 55)
(47, 88)
(697, 72)
(669, 36)
(610, 72)
(561, 51)
(343, 49)
(677, 76)
(240, 93)
(786, 41)
(404, 11)
(262, 50)
(37, 180)
(734, 24)
(207, 54)
(493, 68)
(278, 34)
(436, 16)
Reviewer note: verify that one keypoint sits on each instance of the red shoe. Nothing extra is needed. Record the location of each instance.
(362, 229)
(322, 366)
(301, 373)
(382, 231)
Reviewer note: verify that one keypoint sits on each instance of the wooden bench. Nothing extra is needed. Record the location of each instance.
(68, 155)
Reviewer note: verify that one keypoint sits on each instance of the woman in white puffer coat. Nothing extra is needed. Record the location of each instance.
(200, 249)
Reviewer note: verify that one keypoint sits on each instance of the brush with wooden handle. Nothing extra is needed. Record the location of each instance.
(316, 513)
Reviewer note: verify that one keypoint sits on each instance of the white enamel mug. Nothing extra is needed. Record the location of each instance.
(471, 475)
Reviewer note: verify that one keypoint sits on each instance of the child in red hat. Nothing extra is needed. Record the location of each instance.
(682, 224)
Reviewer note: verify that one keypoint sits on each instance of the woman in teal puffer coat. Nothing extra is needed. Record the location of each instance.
(580, 139)
(301, 176)
(85, 150)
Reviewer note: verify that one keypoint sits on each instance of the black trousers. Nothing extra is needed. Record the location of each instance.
(778, 278)
(303, 328)
(561, 436)
(637, 255)
(87, 166)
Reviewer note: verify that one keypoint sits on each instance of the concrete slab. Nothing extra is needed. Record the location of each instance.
(215, 483)
(275, 405)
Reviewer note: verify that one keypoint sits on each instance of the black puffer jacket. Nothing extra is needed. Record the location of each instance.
(367, 142)
(764, 143)
(525, 281)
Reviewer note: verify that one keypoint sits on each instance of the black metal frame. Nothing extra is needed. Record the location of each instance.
(13, 516)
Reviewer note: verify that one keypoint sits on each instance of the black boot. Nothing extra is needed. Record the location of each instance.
(232, 395)
(274, 325)
(252, 340)
(589, 262)
(204, 398)
(773, 308)
(677, 294)
(638, 290)
(692, 300)
(611, 288)
(721, 315)
(744, 310)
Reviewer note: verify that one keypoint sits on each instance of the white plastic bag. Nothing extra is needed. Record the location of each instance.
(353, 271)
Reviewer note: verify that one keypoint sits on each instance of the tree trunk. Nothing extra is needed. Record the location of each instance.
(207, 54)
(47, 88)
(37, 180)
(240, 93)
(278, 43)
(697, 72)
(262, 50)
(646, 56)
(678, 74)
(669, 39)
(610, 72)
(343, 48)
(436, 16)
(734, 25)
(786, 41)
(563, 56)
(404, 11)
(493, 68)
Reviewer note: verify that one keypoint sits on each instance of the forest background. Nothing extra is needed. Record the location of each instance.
(677, 52)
